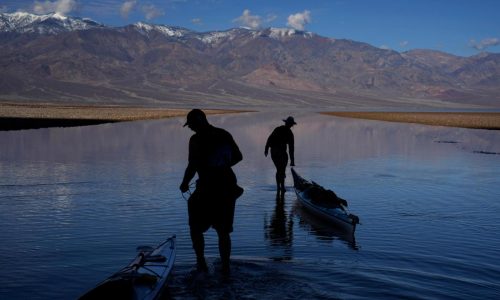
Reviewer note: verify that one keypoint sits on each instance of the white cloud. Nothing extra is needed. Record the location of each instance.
(403, 44)
(151, 12)
(62, 7)
(385, 47)
(485, 43)
(298, 21)
(246, 19)
(270, 18)
(127, 7)
(196, 21)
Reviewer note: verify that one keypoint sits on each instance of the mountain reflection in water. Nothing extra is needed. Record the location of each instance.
(75, 203)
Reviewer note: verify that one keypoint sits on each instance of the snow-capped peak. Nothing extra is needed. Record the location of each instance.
(146, 28)
(53, 23)
(215, 37)
(278, 33)
(59, 16)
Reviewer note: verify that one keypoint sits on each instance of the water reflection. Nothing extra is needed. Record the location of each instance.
(322, 230)
(76, 200)
(278, 230)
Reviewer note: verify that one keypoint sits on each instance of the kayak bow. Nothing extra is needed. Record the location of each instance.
(144, 278)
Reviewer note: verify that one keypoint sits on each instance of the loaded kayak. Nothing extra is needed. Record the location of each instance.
(324, 203)
(321, 228)
(144, 278)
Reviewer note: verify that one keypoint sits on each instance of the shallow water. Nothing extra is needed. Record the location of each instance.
(75, 203)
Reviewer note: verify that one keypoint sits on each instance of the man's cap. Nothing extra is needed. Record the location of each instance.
(195, 115)
(290, 120)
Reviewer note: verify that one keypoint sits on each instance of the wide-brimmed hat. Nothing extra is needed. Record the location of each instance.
(290, 120)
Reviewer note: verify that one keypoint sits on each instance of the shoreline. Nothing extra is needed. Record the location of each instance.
(15, 116)
(472, 120)
(19, 116)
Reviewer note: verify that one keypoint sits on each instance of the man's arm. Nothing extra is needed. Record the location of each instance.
(291, 149)
(268, 144)
(188, 175)
(190, 169)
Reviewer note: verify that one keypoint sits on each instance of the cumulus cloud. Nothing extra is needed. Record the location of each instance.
(485, 43)
(246, 19)
(298, 21)
(151, 12)
(62, 7)
(127, 7)
(385, 47)
(403, 44)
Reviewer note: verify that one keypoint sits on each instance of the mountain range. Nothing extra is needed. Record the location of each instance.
(54, 58)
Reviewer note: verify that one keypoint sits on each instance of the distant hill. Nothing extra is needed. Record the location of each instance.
(55, 58)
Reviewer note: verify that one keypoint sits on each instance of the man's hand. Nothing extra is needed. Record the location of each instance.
(184, 187)
(265, 153)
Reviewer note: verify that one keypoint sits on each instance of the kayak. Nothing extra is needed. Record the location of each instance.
(324, 203)
(144, 278)
(322, 229)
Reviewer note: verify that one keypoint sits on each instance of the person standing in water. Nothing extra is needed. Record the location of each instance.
(278, 141)
(212, 153)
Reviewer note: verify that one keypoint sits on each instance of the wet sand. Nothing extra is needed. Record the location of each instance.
(30, 116)
(476, 120)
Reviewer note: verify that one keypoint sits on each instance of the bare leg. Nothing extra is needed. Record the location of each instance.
(198, 241)
(278, 181)
(224, 249)
(282, 184)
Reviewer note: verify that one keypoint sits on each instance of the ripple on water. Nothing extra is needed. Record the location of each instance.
(75, 207)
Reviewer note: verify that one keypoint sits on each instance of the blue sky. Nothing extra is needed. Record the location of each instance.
(461, 27)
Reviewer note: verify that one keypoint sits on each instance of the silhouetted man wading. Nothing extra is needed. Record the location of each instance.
(212, 153)
(278, 141)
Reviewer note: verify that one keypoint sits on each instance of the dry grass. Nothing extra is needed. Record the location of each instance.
(482, 120)
(99, 113)
(30, 116)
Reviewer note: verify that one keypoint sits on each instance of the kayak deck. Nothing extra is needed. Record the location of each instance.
(324, 203)
(143, 278)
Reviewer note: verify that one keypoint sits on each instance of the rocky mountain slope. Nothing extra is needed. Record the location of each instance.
(56, 58)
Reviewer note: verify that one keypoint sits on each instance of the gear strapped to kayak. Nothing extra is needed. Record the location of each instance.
(324, 203)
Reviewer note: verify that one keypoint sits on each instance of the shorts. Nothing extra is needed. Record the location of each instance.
(209, 209)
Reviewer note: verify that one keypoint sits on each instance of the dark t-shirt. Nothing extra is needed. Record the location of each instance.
(279, 139)
(212, 153)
